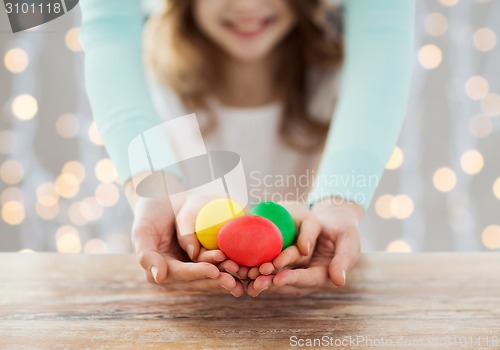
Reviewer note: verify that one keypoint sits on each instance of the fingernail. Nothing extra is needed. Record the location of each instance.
(154, 272)
(190, 250)
(344, 276)
(261, 291)
(234, 295)
(308, 248)
(225, 288)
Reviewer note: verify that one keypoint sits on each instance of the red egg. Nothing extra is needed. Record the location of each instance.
(250, 240)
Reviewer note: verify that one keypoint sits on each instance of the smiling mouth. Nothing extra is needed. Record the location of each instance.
(248, 28)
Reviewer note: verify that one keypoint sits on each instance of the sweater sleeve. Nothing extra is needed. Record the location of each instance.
(372, 102)
(111, 35)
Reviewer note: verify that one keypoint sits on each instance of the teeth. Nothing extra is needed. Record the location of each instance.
(248, 26)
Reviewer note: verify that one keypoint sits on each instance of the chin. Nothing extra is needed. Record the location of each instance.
(249, 55)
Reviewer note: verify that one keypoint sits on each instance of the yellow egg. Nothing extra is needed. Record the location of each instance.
(212, 217)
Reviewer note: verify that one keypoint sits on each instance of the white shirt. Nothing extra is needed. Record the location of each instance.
(274, 170)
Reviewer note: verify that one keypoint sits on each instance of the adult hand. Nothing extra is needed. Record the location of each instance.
(337, 250)
(298, 254)
(160, 252)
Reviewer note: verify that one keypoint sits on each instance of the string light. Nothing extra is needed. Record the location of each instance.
(107, 195)
(449, 2)
(11, 194)
(13, 213)
(444, 179)
(480, 126)
(16, 60)
(105, 171)
(68, 240)
(11, 172)
(67, 185)
(67, 125)
(436, 24)
(401, 206)
(398, 246)
(396, 159)
(383, 206)
(95, 246)
(75, 214)
(72, 39)
(476, 87)
(90, 209)
(484, 39)
(94, 135)
(490, 105)
(491, 237)
(496, 188)
(47, 211)
(74, 168)
(472, 162)
(430, 56)
(24, 107)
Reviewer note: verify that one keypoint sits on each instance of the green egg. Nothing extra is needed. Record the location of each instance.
(280, 217)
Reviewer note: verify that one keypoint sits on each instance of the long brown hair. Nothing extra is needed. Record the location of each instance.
(180, 56)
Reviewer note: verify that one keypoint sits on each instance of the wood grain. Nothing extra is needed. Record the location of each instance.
(102, 301)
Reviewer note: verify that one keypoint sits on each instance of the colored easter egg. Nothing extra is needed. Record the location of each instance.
(250, 240)
(280, 217)
(212, 217)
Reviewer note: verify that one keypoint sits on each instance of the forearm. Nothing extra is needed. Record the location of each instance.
(112, 39)
(373, 99)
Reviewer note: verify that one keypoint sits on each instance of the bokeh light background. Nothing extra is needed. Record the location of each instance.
(440, 191)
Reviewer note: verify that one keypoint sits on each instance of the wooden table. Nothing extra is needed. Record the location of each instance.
(82, 301)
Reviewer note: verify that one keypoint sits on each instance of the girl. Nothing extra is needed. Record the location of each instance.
(261, 76)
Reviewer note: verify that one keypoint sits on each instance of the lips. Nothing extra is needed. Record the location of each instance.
(248, 27)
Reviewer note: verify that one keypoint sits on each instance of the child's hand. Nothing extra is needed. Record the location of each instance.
(337, 250)
(160, 254)
(186, 218)
(299, 253)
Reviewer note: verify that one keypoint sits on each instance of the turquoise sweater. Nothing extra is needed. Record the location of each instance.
(366, 123)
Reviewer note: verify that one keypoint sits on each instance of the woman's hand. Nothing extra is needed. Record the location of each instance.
(337, 250)
(160, 250)
(298, 254)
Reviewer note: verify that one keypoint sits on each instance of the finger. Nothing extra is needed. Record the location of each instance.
(243, 272)
(266, 268)
(309, 231)
(185, 220)
(288, 257)
(181, 271)
(225, 283)
(256, 287)
(230, 284)
(312, 277)
(145, 243)
(228, 266)
(347, 250)
(212, 256)
(253, 273)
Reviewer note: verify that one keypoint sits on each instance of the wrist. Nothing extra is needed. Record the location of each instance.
(338, 204)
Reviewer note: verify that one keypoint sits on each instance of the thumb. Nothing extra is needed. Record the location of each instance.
(185, 220)
(347, 250)
(146, 247)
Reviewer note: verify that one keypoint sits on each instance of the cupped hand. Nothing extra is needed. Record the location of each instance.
(298, 254)
(162, 252)
(336, 252)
